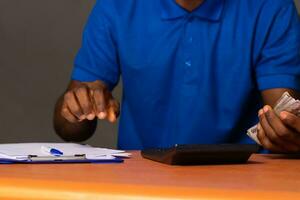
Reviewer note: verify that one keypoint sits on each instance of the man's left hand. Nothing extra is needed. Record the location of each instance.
(279, 133)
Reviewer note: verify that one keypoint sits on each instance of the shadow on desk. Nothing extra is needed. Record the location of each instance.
(284, 156)
(252, 162)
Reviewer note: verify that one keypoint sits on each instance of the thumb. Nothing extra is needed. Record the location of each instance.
(291, 120)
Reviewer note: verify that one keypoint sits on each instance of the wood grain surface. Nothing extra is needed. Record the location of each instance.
(264, 177)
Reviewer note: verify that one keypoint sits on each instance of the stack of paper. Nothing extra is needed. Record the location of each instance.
(28, 152)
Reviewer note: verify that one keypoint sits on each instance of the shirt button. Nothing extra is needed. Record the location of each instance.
(188, 63)
(190, 40)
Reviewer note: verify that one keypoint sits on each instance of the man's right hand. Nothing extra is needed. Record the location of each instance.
(88, 101)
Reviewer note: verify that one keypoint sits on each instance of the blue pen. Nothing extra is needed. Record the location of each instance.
(52, 151)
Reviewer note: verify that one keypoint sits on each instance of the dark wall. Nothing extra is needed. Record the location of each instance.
(38, 42)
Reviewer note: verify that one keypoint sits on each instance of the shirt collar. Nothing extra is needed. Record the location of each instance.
(210, 10)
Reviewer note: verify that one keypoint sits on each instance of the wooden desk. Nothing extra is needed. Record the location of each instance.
(265, 177)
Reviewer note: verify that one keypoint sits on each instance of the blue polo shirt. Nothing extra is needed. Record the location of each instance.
(190, 77)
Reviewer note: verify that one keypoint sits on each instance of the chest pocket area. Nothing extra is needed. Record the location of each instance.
(138, 52)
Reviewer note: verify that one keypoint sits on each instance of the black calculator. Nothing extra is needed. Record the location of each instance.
(202, 154)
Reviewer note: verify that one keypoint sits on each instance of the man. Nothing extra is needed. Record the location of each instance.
(193, 71)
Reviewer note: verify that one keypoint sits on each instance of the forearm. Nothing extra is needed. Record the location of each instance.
(270, 97)
(75, 132)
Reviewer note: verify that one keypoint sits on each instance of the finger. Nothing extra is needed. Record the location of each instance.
(276, 134)
(68, 115)
(291, 120)
(113, 110)
(268, 130)
(276, 124)
(266, 143)
(73, 105)
(100, 104)
(83, 97)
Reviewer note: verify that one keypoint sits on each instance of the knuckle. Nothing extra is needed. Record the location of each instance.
(80, 90)
(68, 96)
(268, 145)
(98, 103)
(273, 137)
(98, 91)
(64, 111)
(270, 117)
(261, 140)
(264, 141)
(98, 82)
(86, 108)
(284, 133)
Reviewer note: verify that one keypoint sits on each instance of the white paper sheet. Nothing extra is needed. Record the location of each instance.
(19, 150)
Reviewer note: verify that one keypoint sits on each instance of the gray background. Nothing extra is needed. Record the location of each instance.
(38, 42)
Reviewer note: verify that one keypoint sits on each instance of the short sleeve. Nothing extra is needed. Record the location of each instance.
(97, 58)
(279, 61)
